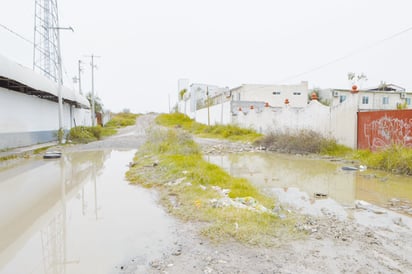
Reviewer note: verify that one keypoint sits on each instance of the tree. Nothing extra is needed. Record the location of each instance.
(98, 105)
(357, 78)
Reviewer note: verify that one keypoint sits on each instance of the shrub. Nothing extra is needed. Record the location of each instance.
(82, 134)
(304, 141)
(396, 159)
(122, 120)
(230, 132)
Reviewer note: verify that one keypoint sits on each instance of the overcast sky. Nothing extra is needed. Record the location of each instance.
(146, 46)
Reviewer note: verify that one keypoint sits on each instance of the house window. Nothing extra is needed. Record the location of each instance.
(342, 98)
(276, 93)
(296, 93)
(385, 100)
(408, 101)
(365, 100)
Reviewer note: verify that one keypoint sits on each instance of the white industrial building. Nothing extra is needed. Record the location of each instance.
(29, 108)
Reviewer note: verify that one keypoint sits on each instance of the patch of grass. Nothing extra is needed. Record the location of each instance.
(395, 159)
(41, 149)
(303, 141)
(172, 163)
(122, 120)
(108, 131)
(9, 157)
(230, 132)
(82, 134)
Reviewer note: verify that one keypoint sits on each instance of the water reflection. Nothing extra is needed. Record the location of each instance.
(76, 215)
(282, 172)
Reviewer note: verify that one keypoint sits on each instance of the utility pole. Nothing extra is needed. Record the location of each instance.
(80, 81)
(208, 105)
(93, 66)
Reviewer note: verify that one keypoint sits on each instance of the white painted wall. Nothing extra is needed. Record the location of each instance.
(219, 114)
(27, 120)
(22, 113)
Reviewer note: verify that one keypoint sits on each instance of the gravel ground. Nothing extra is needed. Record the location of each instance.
(367, 241)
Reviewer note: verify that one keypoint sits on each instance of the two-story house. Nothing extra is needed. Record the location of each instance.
(383, 97)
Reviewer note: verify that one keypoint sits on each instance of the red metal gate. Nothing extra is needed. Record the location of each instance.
(380, 129)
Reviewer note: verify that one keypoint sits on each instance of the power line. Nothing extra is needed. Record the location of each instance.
(17, 34)
(353, 52)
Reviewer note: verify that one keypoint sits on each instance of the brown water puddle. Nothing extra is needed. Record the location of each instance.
(78, 215)
(308, 182)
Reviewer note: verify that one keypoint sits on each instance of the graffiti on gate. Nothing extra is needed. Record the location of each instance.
(381, 132)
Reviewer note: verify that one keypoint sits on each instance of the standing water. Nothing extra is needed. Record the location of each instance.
(312, 184)
(78, 215)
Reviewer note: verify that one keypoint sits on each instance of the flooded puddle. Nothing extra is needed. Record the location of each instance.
(315, 184)
(78, 215)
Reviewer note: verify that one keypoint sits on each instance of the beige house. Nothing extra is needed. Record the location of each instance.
(276, 95)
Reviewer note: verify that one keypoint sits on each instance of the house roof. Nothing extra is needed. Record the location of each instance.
(16, 77)
(387, 87)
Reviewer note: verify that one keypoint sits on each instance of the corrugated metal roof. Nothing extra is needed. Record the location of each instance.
(16, 77)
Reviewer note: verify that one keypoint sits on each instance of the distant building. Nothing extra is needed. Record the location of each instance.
(383, 97)
(276, 95)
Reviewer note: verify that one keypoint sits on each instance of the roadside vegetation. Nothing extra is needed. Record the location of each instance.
(230, 132)
(304, 141)
(83, 134)
(395, 159)
(196, 190)
(122, 119)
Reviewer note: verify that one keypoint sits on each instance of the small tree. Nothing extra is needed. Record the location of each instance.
(357, 78)
(98, 105)
(182, 94)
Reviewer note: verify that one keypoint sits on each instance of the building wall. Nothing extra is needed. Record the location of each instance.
(275, 95)
(375, 99)
(27, 120)
(343, 121)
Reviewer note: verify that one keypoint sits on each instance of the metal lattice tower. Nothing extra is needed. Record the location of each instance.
(46, 39)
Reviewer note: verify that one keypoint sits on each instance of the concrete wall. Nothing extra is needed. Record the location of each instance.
(338, 122)
(27, 120)
(219, 114)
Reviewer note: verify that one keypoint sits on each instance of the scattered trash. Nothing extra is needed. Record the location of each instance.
(202, 187)
(350, 168)
(320, 195)
(176, 182)
(353, 168)
(369, 207)
(52, 155)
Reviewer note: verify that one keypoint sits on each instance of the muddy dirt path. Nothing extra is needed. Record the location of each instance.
(368, 240)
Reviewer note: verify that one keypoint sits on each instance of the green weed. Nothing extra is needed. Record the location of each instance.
(303, 141)
(230, 132)
(172, 162)
(122, 120)
(395, 159)
(82, 134)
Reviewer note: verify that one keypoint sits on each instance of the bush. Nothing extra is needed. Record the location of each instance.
(396, 159)
(82, 134)
(122, 120)
(304, 141)
(230, 132)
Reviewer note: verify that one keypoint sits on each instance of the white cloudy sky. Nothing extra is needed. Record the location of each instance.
(146, 46)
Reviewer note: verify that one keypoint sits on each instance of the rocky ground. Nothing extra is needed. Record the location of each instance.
(367, 241)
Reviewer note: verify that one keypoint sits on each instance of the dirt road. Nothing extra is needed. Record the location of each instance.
(368, 240)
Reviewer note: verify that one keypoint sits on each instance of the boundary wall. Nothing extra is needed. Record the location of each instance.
(27, 120)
